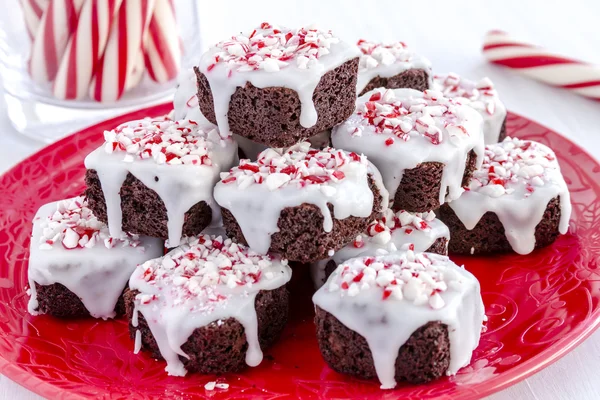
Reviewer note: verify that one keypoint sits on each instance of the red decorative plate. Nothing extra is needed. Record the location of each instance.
(539, 306)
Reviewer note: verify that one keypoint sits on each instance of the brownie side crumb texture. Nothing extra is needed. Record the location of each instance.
(271, 115)
(488, 235)
(301, 236)
(439, 246)
(220, 348)
(60, 302)
(144, 212)
(424, 357)
(417, 79)
(419, 190)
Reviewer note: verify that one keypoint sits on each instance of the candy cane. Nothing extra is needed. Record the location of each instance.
(163, 50)
(32, 13)
(57, 23)
(85, 49)
(537, 63)
(136, 73)
(122, 49)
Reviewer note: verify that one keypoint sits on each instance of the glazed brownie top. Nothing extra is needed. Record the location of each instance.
(71, 247)
(179, 160)
(480, 95)
(270, 48)
(272, 56)
(516, 181)
(386, 60)
(166, 142)
(398, 129)
(209, 279)
(393, 231)
(72, 225)
(256, 192)
(386, 298)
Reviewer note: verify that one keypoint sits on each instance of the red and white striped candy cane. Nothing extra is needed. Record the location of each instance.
(122, 50)
(32, 13)
(56, 26)
(162, 47)
(85, 49)
(537, 63)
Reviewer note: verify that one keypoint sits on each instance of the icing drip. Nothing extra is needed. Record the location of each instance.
(481, 95)
(398, 129)
(71, 247)
(271, 56)
(517, 180)
(179, 160)
(402, 230)
(387, 60)
(406, 290)
(207, 280)
(256, 192)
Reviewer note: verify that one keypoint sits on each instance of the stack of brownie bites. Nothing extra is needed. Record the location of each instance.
(291, 148)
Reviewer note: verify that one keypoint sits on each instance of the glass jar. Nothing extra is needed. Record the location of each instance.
(67, 64)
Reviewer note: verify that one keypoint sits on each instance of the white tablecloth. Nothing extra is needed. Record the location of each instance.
(450, 34)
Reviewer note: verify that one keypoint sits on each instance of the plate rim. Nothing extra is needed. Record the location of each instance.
(504, 380)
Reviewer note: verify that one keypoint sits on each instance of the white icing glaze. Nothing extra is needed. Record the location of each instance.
(185, 99)
(398, 129)
(179, 160)
(401, 230)
(480, 95)
(256, 192)
(406, 290)
(516, 181)
(273, 57)
(71, 247)
(386, 61)
(204, 281)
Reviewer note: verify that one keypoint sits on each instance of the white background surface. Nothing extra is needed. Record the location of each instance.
(450, 33)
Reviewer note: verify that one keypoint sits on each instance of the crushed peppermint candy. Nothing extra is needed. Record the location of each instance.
(419, 278)
(206, 268)
(270, 48)
(480, 95)
(410, 116)
(212, 385)
(380, 231)
(513, 165)
(75, 227)
(165, 141)
(376, 54)
(298, 165)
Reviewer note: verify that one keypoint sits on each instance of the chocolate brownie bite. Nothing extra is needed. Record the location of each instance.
(403, 316)
(208, 306)
(278, 86)
(392, 66)
(156, 177)
(393, 231)
(518, 200)
(480, 95)
(424, 144)
(76, 269)
(301, 203)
